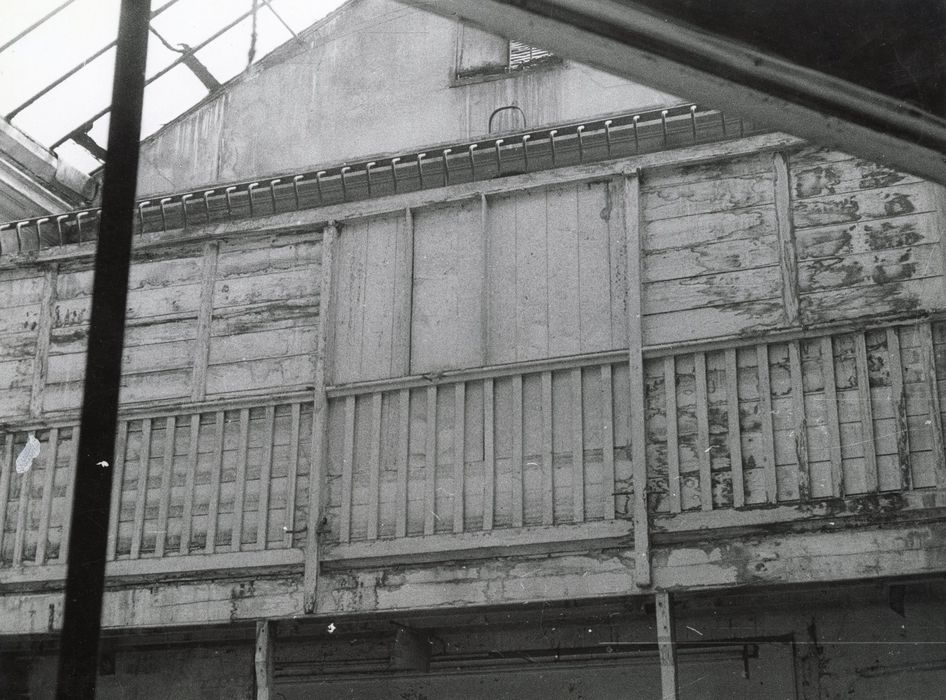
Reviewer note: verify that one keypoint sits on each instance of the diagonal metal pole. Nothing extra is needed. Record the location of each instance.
(85, 577)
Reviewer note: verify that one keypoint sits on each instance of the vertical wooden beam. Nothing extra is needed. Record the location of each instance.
(70, 495)
(264, 660)
(935, 411)
(484, 303)
(898, 398)
(430, 462)
(403, 456)
(265, 477)
(318, 466)
(118, 477)
(516, 466)
(667, 646)
(236, 533)
(374, 466)
(632, 242)
(735, 433)
(765, 416)
(6, 471)
(187, 513)
(489, 455)
(52, 456)
(548, 485)
(578, 449)
(141, 489)
(788, 259)
(43, 338)
(166, 483)
(213, 508)
(459, 455)
(867, 413)
(607, 443)
(204, 320)
(292, 472)
(674, 486)
(800, 426)
(702, 428)
(402, 318)
(348, 464)
(831, 411)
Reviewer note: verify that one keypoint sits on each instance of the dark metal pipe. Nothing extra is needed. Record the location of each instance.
(88, 535)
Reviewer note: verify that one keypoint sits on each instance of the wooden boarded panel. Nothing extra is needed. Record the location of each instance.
(556, 266)
(23, 317)
(711, 258)
(446, 329)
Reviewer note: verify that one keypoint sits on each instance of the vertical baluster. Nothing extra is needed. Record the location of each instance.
(292, 473)
(26, 481)
(6, 470)
(800, 428)
(70, 495)
(831, 411)
(459, 456)
(548, 485)
(607, 443)
(735, 435)
(48, 482)
(403, 455)
(517, 451)
(236, 533)
(141, 490)
(265, 476)
(187, 513)
(489, 455)
(578, 450)
(430, 469)
(374, 467)
(867, 413)
(674, 486)
(118, 478)
(213, 508)
(167, 481)
(898, 398)
(765, 415)
(702, 428)
(348, 459)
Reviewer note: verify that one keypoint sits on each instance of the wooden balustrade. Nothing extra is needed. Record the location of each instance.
(226, 478)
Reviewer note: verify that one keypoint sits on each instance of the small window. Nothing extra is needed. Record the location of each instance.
(522, 55)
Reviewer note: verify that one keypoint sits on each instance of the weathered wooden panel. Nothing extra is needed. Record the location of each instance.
(446, 323)
(555, 278)
(711, 252)
(20, 324)
(364, 292)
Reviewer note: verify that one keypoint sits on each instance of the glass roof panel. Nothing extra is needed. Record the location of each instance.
(55, 50)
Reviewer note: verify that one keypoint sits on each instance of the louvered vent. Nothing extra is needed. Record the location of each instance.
(521, 54)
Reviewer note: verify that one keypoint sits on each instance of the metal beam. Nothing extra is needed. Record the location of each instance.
(88, 535)
(629, 39)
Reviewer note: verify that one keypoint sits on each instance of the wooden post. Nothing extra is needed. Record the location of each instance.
(788, 257)
(204, 321)
(666, 645)
(43, 333)
(632, 242)
(319, 422)
(265, 638)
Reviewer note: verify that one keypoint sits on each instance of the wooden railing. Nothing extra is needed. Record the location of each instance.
(536, 446)
(522, 454)
(222, 479)
(796, 420)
